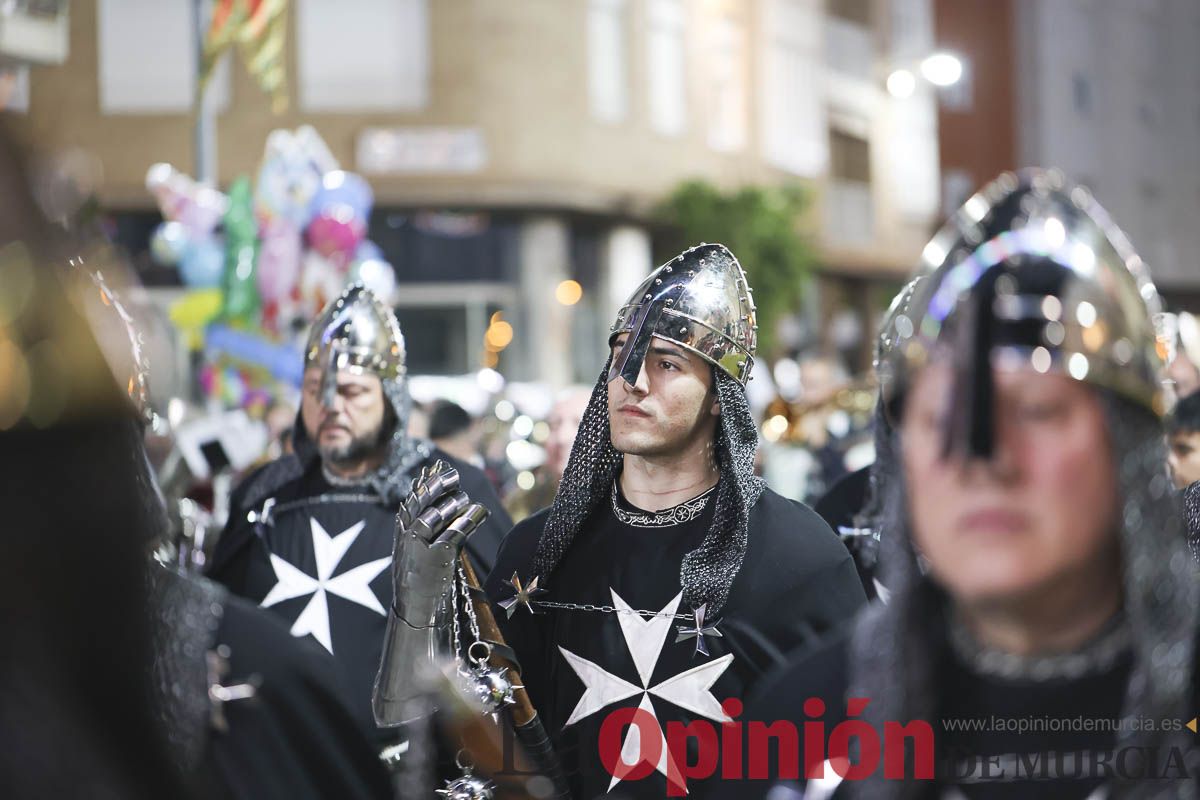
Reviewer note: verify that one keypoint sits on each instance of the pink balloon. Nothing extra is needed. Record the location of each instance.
(279, 259)
(336, 236)
(180, 198)
(202, 209)
(320, 281)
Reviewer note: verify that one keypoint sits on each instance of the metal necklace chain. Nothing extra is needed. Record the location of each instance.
(678, 514)
(684, 512)
(607, 609)
(338, 480)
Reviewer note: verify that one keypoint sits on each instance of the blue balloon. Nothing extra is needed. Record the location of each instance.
(203, 263)
(169, 241)
(343, 191)
(368, 251)
(283, 360)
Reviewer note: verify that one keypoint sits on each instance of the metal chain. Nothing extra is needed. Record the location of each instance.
(469, 604)
(608, 609)
(456, 642)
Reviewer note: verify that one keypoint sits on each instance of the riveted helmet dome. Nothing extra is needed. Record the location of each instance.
(699, 300)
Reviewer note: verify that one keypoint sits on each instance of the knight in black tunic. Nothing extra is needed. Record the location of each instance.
(675, 611)
(853, 506)
(1043, 615)
(310, 535)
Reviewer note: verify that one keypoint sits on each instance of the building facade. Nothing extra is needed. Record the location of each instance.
(515, 145)
(977, 123)
(1109, 91)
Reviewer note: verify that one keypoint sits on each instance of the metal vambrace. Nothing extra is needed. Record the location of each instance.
(417, 629)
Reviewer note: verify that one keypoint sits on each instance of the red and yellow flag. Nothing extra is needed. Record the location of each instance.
(259, 29)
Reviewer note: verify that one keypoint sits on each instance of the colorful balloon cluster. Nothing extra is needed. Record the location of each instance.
(275, 251)
(312, 225)
(245, 370)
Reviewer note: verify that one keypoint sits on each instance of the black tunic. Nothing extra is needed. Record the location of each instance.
(323, 564)
(297, 738)
(294, 738)
(840, 506)
(796, 582)
(981, 751)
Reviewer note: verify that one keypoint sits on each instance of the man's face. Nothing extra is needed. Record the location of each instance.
(1184, 458)
(351, 428)
(1184, 373)
(1042, 510)
(670, 409)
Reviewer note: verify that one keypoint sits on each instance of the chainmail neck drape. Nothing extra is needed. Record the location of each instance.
(895, 648)
(1191, 508)
(708, 571)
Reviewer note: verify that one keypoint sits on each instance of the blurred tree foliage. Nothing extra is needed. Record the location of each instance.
(761, 226)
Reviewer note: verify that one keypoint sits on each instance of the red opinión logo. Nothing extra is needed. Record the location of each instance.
(853, 748)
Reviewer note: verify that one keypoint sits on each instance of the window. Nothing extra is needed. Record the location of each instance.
(850, 49)
(1149, 114)
(1081, 93)
(665, 67)
(607, 72)
(848, 205)
(850, 157)
(362, 55)
(14, 90)
(957, 186)
(858, 11)
(444, 247)
(134, 33)
(435, 340)
(792, 112)
(908, 160)
(726, 86)
(911, 23)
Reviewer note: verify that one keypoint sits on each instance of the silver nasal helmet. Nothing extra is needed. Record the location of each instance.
(358, 333)
(1031, 273)
(700, 301)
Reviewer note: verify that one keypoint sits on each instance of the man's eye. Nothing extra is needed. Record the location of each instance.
(669, 365)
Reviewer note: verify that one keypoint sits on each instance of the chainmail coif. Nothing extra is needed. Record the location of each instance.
(1191, 508)
(708, 571)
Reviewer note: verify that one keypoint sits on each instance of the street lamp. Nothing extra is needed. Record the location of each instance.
(901, 84)
(941, 69)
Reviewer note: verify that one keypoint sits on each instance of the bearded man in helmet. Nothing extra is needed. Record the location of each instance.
(310, 535)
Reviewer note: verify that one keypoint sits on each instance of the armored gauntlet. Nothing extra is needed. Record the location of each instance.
(433, 524)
